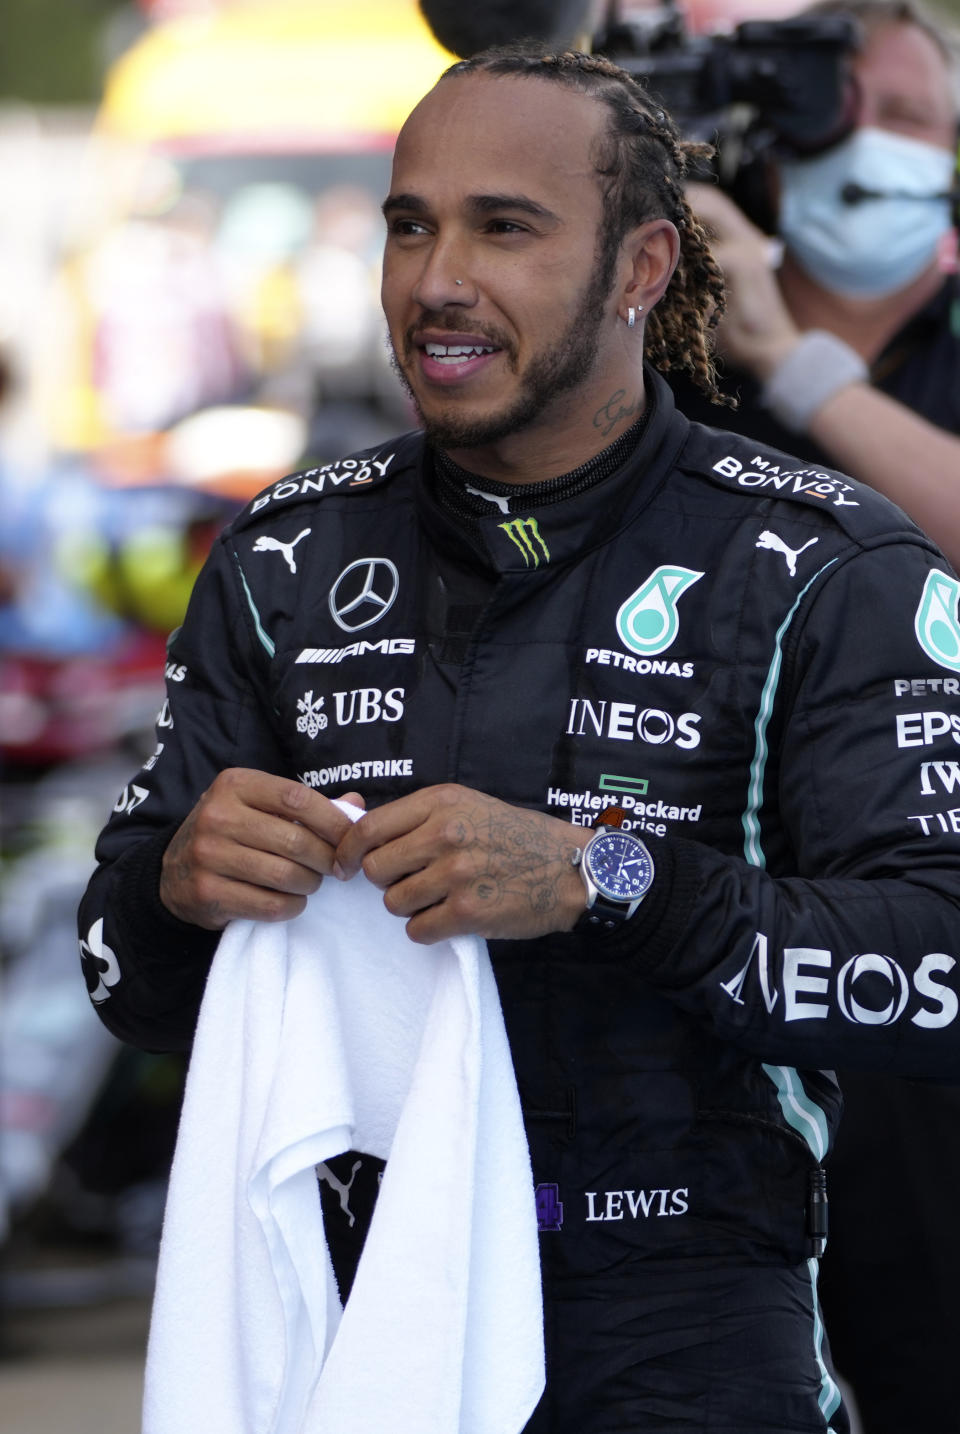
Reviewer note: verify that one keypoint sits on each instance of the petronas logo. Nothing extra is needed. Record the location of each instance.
(935, 624)
(526, 534)
(647, 622)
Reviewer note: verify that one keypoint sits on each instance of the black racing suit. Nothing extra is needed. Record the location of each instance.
(891, 1276)
(761, 663)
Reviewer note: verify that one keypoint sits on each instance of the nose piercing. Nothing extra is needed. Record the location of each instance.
(459, 283)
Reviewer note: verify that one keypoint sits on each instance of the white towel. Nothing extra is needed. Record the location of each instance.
(329, 1033)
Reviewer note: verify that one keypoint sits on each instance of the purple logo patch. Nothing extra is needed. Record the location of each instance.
(549, 1207)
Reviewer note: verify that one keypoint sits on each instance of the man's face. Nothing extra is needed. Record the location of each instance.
(904, 85)
(493, 185)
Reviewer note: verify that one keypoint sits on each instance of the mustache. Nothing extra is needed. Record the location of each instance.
(456, 323)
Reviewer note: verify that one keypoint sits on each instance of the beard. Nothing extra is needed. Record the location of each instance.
(568, 363)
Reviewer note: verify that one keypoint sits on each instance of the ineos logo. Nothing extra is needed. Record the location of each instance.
(366, 589)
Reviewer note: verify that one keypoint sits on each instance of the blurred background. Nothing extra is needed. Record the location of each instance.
(189, 280)
(189, 274)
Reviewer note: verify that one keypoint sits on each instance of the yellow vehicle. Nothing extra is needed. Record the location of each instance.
(306, 74)
(239, 253)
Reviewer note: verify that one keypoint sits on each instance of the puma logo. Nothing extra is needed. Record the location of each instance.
(502, 503)
(265, 544)
(777, 545)
(325, 1174)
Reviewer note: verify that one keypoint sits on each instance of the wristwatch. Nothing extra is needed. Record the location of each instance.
(617, 870)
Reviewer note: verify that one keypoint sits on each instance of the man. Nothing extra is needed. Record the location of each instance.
(563, 602)
(849, 352)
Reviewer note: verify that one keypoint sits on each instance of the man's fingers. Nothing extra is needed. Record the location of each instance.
(217, 900)
(228, 881)
(374, 830)
(238, 900)
(417, 892)
(281, 797)
(454, 917)
(274, 815)
(428, 927)
(260, 866)
(453, 861)
(322, 816)
(250, 832)
(255, 845)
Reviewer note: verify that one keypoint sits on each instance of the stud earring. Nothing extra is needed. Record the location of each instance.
(459, 283)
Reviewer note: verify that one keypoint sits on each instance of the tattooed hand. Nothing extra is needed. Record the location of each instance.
(457, 862)
(254, 846)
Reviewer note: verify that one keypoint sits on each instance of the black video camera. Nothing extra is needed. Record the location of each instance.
(769, 88)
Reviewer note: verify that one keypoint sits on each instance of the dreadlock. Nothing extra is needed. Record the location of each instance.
(642, 162)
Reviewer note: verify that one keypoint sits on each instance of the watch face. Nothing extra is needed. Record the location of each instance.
(620, 865)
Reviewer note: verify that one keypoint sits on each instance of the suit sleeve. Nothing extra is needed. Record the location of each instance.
(145, 969)
(833, 938)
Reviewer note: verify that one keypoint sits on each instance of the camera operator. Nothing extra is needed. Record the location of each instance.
(848, 352)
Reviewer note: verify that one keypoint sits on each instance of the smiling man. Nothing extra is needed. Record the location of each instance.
(668, 718)
(504, 363)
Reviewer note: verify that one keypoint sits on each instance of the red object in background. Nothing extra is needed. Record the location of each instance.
(54, 710)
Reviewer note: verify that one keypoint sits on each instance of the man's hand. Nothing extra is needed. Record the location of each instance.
(757, 331)
(254, 846)
(457, 862)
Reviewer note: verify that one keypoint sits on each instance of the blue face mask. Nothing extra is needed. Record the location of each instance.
(874, 245)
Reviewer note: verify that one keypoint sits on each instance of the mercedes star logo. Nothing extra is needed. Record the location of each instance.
(363, 593)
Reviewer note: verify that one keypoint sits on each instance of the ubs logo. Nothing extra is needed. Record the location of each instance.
(363, 593)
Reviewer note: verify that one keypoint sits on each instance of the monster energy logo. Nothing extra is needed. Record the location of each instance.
(525, 533)
(936, 621)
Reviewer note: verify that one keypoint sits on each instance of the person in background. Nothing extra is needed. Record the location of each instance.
(848, 352)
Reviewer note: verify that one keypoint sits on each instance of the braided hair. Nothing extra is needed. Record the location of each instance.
(642, 162)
